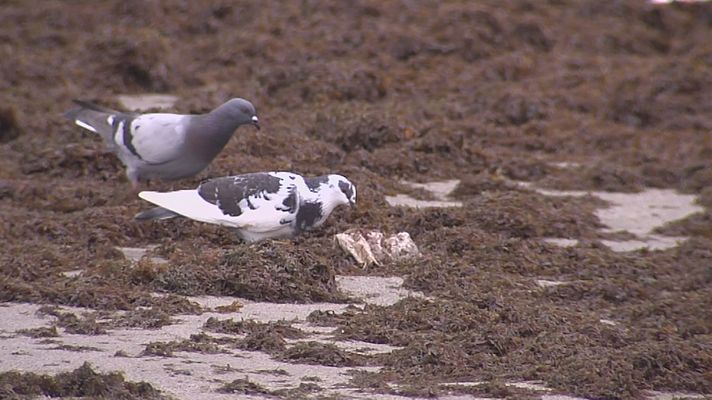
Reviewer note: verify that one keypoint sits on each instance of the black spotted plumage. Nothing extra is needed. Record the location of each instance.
(258, 205)
(314, 183)
(228, 192)
(309, 213)
(347, 189)
(289, 203)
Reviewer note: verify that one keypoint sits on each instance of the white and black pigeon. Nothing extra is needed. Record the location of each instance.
(261, 205)
(161, 145)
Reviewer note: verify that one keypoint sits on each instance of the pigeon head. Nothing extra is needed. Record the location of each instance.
(344, 192)
(241, 111)
(323, 194)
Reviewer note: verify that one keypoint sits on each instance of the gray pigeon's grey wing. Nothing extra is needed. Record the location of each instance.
(152, 138)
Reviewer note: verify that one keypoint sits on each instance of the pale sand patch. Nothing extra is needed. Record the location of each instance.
(636, 213)
(188, 375)
(655, 395)
(650, 242)
(408, 201)
(547, 283)
(73, 273)
(565, 164)
(441, 190)
(191, 375)
(195, 375)
(142, 102)
(264, 311)
(135, 254)
(561, 242)
(640, 213)
(675, 1)
(528, 385)
(376, 290)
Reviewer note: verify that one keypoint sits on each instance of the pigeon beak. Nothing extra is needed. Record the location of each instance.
(256, 122)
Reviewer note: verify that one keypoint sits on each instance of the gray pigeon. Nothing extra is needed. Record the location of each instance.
(161, 145)
(261, 205)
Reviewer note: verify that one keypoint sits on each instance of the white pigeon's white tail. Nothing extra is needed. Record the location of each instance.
(187, 203)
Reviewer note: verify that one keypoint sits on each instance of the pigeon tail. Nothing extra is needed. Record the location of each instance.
(94, 118)
(155, 213)
(94, 107)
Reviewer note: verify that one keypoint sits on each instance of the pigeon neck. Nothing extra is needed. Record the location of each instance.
(220, 123)
(208, 134)
(329, 200)
(314, 207)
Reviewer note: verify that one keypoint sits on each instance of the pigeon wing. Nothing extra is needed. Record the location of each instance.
(153, 138)
(259, 202)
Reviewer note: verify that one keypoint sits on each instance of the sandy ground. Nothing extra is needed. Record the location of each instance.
(190, 375)
(550, 159)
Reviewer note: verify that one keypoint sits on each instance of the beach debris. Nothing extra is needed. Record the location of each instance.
(374, 247)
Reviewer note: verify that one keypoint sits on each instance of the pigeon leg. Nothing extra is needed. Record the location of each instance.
(132, 175)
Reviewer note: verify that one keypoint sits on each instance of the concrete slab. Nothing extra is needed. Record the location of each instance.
(146, 101)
